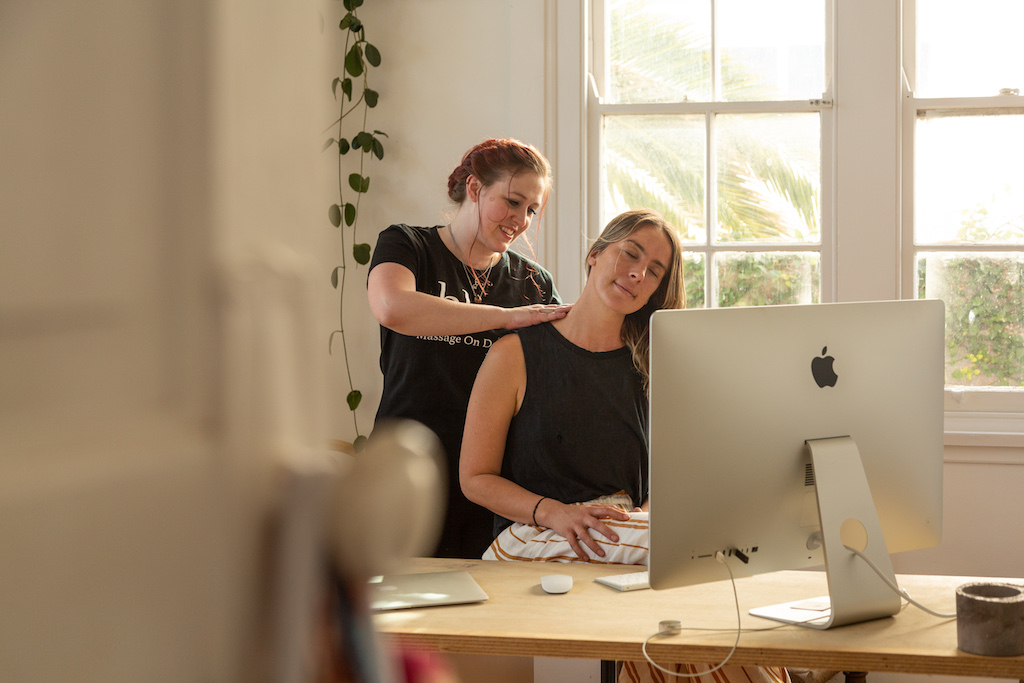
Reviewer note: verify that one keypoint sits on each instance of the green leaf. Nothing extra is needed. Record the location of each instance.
(350, 213)
(371, 97)
(360, 443)
(358, 182)
(334, 214)
(365, 141)
(353, 399)
(372, 55)
(346, 87)
(356, 26)
(346, 21)
(378, 149)
(361, 253)
(352, 4)
(343, 146)
(334, 276)
(354, 61)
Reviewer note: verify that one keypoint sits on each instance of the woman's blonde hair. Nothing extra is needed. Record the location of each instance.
(670, 293)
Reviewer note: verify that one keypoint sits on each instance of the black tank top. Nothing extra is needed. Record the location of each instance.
(581, 431)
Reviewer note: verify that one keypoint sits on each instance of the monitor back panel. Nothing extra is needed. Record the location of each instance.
(734, 398)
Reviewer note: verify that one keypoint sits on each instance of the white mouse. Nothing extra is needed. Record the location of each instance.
(556, 583)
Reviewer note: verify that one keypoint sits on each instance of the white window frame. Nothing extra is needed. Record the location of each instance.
(974, 416)
(597, 109)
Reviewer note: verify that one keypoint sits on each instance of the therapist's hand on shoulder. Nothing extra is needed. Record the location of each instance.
(535, 314)
(578, 522)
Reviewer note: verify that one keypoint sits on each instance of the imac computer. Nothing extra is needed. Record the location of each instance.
(785, 436)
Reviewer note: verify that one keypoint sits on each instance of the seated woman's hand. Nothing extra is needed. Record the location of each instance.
(575, 523)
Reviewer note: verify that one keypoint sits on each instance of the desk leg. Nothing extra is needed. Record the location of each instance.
(856, 676)
(609, 672)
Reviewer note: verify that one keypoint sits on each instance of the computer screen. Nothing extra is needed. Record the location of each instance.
(767, 420)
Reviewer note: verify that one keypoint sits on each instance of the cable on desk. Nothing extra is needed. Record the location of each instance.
(673, 628)
(899, 591)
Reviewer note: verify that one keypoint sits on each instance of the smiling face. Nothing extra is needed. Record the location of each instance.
(626, 273)
(506, 208)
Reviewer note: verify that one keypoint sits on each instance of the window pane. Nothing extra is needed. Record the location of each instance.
(657, 162)
(984, 314)
(969, 180)
(767, 278)
(693, 277)
(769, 177)
(660, 51)
(968, 49)
(771, 50)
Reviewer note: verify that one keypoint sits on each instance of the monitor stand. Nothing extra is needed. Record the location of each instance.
(848, 518)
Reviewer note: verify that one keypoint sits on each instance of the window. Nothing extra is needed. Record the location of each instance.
(714, 112)
(814, 150)
(964, 182)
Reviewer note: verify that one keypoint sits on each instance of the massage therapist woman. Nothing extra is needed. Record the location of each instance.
(444, 294)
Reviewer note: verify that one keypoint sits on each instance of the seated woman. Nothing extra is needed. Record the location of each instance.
(556, 433)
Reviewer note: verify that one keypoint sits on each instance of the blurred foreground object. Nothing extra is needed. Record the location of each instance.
(386, 506)
(388, 503)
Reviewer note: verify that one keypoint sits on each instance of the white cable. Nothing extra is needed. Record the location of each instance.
(900, 591)
(673, 628)
(721, 558)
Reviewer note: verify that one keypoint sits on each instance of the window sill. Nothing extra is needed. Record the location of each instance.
(1002, 430)
(984, 439)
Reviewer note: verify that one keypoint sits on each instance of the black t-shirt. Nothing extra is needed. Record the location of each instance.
(429, 379)
(582, 429)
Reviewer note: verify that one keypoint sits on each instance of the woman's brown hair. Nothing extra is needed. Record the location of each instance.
(492, 159)
(671, 293)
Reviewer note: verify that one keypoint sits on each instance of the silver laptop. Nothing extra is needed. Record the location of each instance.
(402, 591)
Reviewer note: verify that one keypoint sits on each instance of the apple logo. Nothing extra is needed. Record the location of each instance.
(821, 368)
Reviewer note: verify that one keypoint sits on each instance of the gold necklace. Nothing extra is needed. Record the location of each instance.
(477, 283)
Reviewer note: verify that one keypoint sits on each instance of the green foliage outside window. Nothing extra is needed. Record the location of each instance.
(984, 323)
(768, 278)
(984, 295)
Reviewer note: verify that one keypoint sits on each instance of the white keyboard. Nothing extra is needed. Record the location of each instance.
(632, 581)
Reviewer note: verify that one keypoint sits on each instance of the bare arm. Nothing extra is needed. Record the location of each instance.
(397, 305)
(497, 394)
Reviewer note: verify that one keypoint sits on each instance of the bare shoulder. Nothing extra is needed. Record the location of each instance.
(504, 363)
(508, 341)
(502, 377)
(508, 349)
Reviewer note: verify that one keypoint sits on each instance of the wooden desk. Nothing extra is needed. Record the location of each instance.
(596, 622)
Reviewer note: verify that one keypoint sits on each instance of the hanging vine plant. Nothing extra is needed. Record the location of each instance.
(355, 99)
